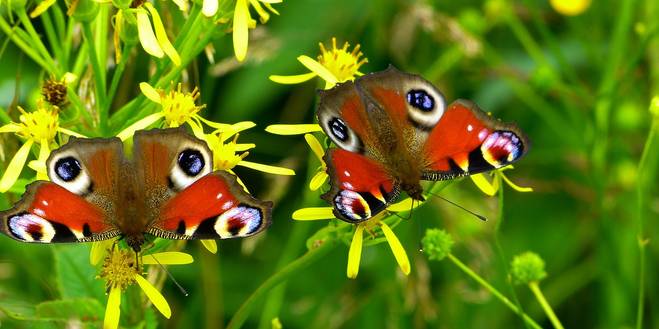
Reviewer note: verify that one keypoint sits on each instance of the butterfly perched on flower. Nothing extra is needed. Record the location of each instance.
(394, 129)
(167, 189)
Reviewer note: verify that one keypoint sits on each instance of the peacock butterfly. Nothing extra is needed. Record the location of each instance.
(168, 190)
(394, 129)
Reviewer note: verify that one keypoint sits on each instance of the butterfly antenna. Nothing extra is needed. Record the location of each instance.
(171, 277)
(481, 217)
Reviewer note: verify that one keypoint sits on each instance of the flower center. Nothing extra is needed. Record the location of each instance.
(119, 269)
(178, 107)
(343, 64)
(224, 155)
(39, 125)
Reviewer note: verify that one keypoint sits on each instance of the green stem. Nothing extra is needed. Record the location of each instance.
(53, 38)
(496, 293)
(642, 240)
(282, 275)
(35, 42)
(119, 71)
(535, 288)
(98, 76)
(22, 44)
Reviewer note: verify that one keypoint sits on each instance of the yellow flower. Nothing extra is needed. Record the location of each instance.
(355, 251)
(178, 108)
(120, 271)
(570, 7)
(153, 38)
(242, 20)
(491, 188)
(321, 174)
(226, 155)
(334, 65)
(38, 127)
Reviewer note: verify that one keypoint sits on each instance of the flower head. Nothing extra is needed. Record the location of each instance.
(491, 188)
(355, 251)
(334, 65)
(242, 20)
(178, 107)
(527, 267)
(121, 269)
(150, 30)
(570, 7)
(54, 91)
(437, 244)
(38, 127)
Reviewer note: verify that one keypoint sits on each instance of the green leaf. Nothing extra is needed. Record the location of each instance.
(75, 276)
(82, 309)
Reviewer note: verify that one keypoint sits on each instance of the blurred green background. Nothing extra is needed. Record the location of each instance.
(579, 86)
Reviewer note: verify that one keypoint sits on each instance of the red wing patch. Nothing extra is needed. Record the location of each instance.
(361, 187)
(213, 207)
(50, 213)
(466, 141)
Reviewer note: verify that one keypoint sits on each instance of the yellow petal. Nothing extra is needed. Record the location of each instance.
(182, 4)
(292, 79)
(150, 92)
(318, 180)
(396, 248)
(405, 205)
(267, 168)
(69, 78)
(293, 129)
(355, 252)
(141, 124)
(39, 165)
(161, 35)
(70, 132)
(10, 128)
(240, 147)
(483, 184)
(15, 167)
(113, 309)
(240, 32)
(317, 68)
(314, 144)
(271, 1)
(515, 186)
(263, 14)
(210, 245)
(313, 213)
(154, 296)
(209, 7)
(145, 33)
(41, 7)
(98, 251)
(168, 258)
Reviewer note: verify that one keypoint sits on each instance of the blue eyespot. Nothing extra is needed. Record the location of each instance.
(339, 129)
(421, 100)
(67, 169)
(191, 162)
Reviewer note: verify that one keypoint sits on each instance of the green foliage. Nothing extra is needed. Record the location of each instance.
(583, 87)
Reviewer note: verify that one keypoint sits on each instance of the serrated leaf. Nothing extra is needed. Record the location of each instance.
(83, 309)
(76, 277)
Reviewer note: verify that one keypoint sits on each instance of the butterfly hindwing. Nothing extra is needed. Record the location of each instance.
(360, 187)
(213, 207)
(467, 141)
(49, 213)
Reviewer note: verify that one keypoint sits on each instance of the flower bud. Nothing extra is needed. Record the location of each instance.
(437, 244)
(527, 267)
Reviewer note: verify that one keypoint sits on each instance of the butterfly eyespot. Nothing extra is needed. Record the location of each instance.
(68, 168)
(191, 162)
(426, 106)
(339, 129)
(341, 134)
(420, 99)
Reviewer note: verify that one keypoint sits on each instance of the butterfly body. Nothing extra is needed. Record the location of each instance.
(167, 189)
(395, 129)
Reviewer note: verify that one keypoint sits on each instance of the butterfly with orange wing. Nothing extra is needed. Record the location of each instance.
(168, 189)
(394, 129)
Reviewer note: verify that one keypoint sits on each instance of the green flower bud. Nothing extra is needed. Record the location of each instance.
(84, 11)
(437, 244)
(527, 267)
